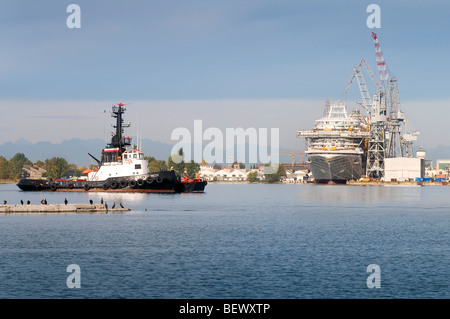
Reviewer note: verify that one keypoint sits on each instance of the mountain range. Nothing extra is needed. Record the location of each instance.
(75, 151)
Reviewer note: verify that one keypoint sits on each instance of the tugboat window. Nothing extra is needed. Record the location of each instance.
(137, 166)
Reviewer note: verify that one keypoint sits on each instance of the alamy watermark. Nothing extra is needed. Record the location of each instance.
(374, 279)
(249, 145)
(74, 279)
(373, 20)
(74, 19)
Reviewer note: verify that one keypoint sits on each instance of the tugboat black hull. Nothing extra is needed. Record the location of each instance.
(161, 182)
(193, 186)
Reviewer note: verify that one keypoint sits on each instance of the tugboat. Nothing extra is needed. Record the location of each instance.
(122, 168)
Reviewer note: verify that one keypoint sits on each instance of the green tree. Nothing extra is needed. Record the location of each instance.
(252, 176)
(4, 168)
(149, 158)
(74, 168)
(176, 162)
(39, 163)
(192, 168)
(241, 165)
(157, 166)
(56, 167)
(16, 164)
(276, 176)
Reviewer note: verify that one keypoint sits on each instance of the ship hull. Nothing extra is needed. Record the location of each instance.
(335, 169)
(193, 186)
(161, 182)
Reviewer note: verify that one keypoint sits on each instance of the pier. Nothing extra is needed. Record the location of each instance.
(59, 208)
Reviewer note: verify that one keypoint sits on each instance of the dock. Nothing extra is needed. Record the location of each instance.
(59, 208)
(398, 183)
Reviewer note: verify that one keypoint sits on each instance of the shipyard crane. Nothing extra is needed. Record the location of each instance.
(396, 119)
(293, 154)
(381, 64)
(408, 136)
(365, 95)
(376, 110)
(400, 135)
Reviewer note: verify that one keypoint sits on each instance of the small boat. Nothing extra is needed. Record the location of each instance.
(122, 168)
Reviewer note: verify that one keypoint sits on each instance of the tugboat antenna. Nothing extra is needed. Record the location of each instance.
(98, 162)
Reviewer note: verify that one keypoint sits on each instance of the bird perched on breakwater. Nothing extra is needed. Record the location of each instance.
(101, 201)
(65, 201)
(44, 201)
(114, 205)
(28, 202)
(106, 206)
(21, 202)
(4, 202)
(120, 203)
(91, 201)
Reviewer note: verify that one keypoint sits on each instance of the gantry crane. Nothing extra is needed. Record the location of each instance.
(391, 135)
(376, 110)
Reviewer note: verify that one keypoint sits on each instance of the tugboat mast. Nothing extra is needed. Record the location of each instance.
(118, 140)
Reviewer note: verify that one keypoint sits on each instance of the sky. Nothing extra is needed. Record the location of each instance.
(230, 63)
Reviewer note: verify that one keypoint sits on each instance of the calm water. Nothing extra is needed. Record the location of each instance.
(233, 241)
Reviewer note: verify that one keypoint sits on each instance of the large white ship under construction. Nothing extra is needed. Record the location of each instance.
(343, 147)
(337, 144)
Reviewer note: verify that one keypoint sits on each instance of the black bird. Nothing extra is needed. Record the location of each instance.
(21, 202)
(106, 206)
(42, 201)
(45, 201)
(101, 201)
(4, 202)
(28, 202)
(114, 205)
(91, 201)
(65, 201)
(121, 205)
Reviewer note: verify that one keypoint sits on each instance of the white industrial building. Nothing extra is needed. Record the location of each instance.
(224, 174)
(403, 169)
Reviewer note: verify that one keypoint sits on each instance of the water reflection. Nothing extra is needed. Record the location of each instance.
(373, 195)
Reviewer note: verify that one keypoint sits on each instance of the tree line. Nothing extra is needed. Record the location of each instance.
(57, 167)
(12, 169)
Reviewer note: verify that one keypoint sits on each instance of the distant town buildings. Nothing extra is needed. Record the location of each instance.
(236, 174)
(440, 172)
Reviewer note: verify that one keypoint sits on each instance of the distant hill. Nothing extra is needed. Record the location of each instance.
(76, 151)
